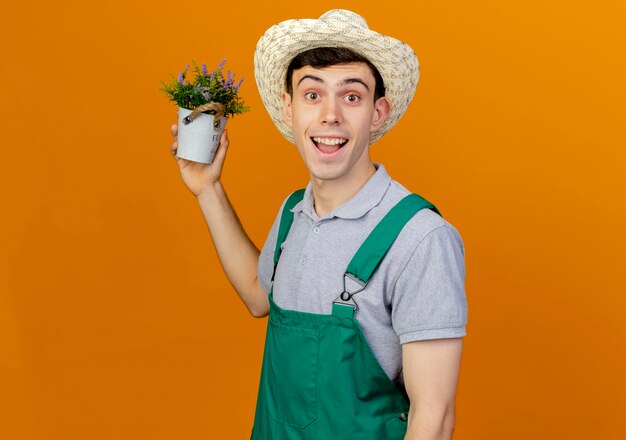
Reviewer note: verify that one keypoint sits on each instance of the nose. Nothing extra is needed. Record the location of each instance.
(330, 112)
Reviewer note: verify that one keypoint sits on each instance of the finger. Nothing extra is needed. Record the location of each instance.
(222, 147)
(224, 139)
(173, 148)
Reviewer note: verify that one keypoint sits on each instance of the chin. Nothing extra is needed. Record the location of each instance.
(326, 171)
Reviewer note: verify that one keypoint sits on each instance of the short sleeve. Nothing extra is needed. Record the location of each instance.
(428, 299)
(266, 259)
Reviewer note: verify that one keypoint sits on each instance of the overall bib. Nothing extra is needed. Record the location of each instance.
(320, 379)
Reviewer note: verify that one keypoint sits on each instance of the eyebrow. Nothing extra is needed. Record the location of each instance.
(341, 83)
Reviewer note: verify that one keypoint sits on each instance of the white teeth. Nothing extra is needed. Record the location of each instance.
(330, 141)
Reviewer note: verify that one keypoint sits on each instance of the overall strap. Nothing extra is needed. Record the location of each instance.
(371, 253)
(286, 219)
(376, 245)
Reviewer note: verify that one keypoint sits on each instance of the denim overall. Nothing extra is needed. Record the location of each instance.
(320, 379)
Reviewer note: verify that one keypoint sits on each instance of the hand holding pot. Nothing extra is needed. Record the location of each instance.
(199, 177)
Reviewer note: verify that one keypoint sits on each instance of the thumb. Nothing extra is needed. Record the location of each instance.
(222, 148)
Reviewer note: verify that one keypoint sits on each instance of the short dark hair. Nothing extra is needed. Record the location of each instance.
(330, 56)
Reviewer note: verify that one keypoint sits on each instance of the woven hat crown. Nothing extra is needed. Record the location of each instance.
(343, 18)
(395, 61)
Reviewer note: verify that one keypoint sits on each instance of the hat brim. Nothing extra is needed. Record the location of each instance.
(395, 61)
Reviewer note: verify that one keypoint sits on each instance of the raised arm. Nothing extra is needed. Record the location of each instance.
(238, 255)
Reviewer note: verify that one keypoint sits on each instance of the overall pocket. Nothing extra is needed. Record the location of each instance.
(292, 374)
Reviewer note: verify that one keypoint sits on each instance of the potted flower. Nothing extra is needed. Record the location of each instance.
(204, 106)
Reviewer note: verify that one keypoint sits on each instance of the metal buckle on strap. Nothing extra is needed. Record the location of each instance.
(345, 297)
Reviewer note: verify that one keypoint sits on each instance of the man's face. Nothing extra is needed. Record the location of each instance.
(331, 114)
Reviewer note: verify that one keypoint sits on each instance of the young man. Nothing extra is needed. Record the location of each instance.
(362, 280)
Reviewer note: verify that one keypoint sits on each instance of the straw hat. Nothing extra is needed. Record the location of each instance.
(394, 59)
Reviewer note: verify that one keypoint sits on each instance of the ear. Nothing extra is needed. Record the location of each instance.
(382, 108)
(286, 99)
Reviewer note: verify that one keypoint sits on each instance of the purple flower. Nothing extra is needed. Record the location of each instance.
(221, 64)
(229, 82)
(212, 76)
(239, 84)
(181, 75)
(204, 69)
(207, 95)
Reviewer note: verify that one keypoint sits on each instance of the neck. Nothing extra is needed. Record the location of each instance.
(329, 194)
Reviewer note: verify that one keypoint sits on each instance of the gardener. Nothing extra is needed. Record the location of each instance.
(362, 280)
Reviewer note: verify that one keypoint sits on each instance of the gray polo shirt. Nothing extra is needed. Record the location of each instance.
(416, 293)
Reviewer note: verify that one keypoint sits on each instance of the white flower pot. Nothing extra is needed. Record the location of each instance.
(198, 140)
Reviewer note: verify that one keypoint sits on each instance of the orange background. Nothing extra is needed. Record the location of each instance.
(116, 320)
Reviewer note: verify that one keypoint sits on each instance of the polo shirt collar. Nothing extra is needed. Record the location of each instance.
(368, 197)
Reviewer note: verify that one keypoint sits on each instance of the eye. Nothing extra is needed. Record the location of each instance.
(311, 95)
(353, 98)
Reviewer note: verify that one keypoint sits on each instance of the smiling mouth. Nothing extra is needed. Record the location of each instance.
(329, 145)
